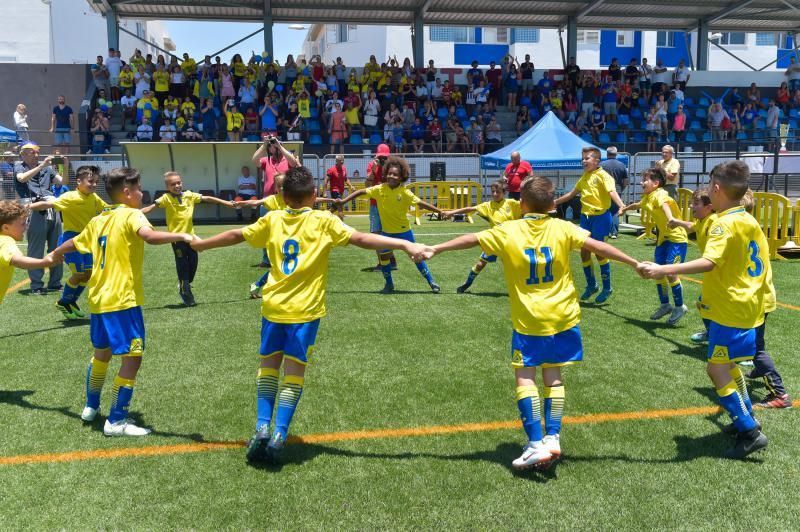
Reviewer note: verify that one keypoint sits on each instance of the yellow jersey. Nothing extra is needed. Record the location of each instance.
(734, 291)
(161, 80)
(8, 250)
(77, 209)
(235, 121)
(189, 66)
(595, 188)
(239, 69)
(275, 203)
(701, 228)
(180, 210)
(535, 253)
(112, 239)
(393, 204)
(298, 243)
(497, 212)
(654, 202)
(126, 79)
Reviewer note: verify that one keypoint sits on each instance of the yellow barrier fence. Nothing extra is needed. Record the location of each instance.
(772, 212)
(796, 230)
(684, 202)
(446, 195)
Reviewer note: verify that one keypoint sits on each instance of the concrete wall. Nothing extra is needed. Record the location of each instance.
(38, 86)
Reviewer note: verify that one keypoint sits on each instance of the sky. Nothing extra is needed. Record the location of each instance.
(202, 38)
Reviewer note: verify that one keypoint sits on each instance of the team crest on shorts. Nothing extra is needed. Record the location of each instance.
(136, 346)
(516, 357)
(720, 353)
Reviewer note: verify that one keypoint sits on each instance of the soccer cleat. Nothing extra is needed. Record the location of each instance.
(731, 430)
(388, 288)
(775, 401)
(746, 444)
(463, 288)
(603, 296)
(699, 337)
(76, 311)
(435, 288)
(185, 291)
(124, 428)
(254, 291)
(552, 442)
(65, 309)
(275, 447)
(257, 446)
(613, 237)
(677, 314)
(661, 311)
(533, 454)
(89, 413)
(589, 292)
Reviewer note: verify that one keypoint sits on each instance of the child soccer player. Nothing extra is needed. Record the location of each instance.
(393, 200)
(544, 307)
(672, 241)
(116, 240)
(597, 190)
(496, 211)
(77, 208)
(298, 241)
(178, 205)
(13, 223)
(735, 267)
(703, 213)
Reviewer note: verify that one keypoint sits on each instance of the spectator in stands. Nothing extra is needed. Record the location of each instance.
(352, 116)
(475, 134)
(462, 140)
(597, 121)
(523, 119)
(515, 173)
(570, 107)
(398, 141)
(161, 84)
(234, 123)
(494, 79)
(748, 117)
(581, 126)
(681, 75)
(716, 115)
(34, 179)
(239, 70)
(100, 130)
(451, 134)
(247, 94)
(21, 122)
(782, 98)
(435, 132)
(142, 81)
(292, 122)
(171, 107)
(572, 71)
(773, 123)
(190, 133)
(208, 119)
(167, 132)
(754, 96)
(417, 135)
(735, 98)
(632, 72)
(615, 71)
(101, 75)
(252, 120)
(270, 115)
(225, 87)
(661, 77)
(736, 118)
(337, 127)
(511, 84)
(619, 172)
(610, 99)
(62, 123)
(144, 133)
(624, 111)
(679, 125)
(177, 82)
(545, 84)
(652, 128)
(526, 70)
(246, 189)
(114, 66)
(793, 74)
(493, 134)
(672, 169)
(662, 112)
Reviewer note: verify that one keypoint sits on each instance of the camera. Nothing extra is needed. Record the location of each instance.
(57, 160)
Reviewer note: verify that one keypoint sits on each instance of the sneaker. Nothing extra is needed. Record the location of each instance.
(65, 309)
(76, 311)
(435, 288)
(533, 454)
(613, 237)
(189, 296)
(731, 430)
(38, 292)
(699, 337)
(388, 288)
(552, 442)
(775, 401)
(89, 413)
(677, 314)
(463, 288)
(254, 291)
(275, 447)
(603, 296)
(257, 446)
(661, 311)
(124, 428)
(589, 292)
(746, 444)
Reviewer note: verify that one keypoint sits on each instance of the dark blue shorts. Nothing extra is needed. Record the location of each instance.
(730, 344)
(670, 252)
(488, 258)
(293, 340)
(78, 262)
(559, 349)
(121, 331)
(598, 225)
(406, 235)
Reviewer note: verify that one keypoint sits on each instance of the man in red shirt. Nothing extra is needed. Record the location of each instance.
(335, 181)
(375, 177)
(516, 171)
(494, 76)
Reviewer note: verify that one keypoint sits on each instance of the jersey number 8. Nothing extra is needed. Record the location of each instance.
(531, 253)
(291, 249)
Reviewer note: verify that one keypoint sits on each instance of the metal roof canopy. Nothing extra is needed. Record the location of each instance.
(680, 15)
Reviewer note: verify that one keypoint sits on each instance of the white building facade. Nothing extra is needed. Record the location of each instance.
(68, 31)
(453, 46)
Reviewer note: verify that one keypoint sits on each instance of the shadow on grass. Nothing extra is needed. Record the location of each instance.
(652, 327)
(487, 294)
(19, 398)
(64, 324)
(378, 292)
(180, 306)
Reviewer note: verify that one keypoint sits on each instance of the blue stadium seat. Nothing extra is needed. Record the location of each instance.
(639, 137)
(690, 137)
(765, 101)
(314, 112)
(760, 124)
(314, 125)
(375, 138)
(688, 101)
(587, 137)
(315, 140)
(794, 113)
(707, 136)
(636, 113)
(643, 103)
(762, 113)
(704, 102)
(442, 113)
(622, 137)
(696, 125)
(604, 138)
(671, 136)
(355, 138)
(525, 101)
(535, 114)
(624, 120)
(742, 135)
(611, 125)
(701, 113)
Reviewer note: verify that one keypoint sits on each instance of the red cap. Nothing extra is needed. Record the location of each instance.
(383, 151)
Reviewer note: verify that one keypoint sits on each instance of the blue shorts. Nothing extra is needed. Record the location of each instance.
(528, 351)
(78, 262)
(670, 252)
(62, 136)
(374, 219)
(488, 258)
(293, 340)
(729, 344)
(598, 225)
(406, 235)
(121, 331)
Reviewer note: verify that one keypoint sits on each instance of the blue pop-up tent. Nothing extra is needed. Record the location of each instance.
(7, 135)
(548, 145)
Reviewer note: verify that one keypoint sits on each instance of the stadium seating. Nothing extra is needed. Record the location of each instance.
(355, 138)
(227, 194)
(315, 139)
(375, 138)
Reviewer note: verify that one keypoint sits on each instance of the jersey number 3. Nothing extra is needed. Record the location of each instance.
(756, 266)
(291, 249)
(532, 255)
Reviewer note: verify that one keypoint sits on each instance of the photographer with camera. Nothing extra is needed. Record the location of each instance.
(33, 183)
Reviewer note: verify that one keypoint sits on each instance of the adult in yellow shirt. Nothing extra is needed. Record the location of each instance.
(116, 240)
(235, 123)
(672, 168)
(161, 83)
(189, 66)
(178, 205)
